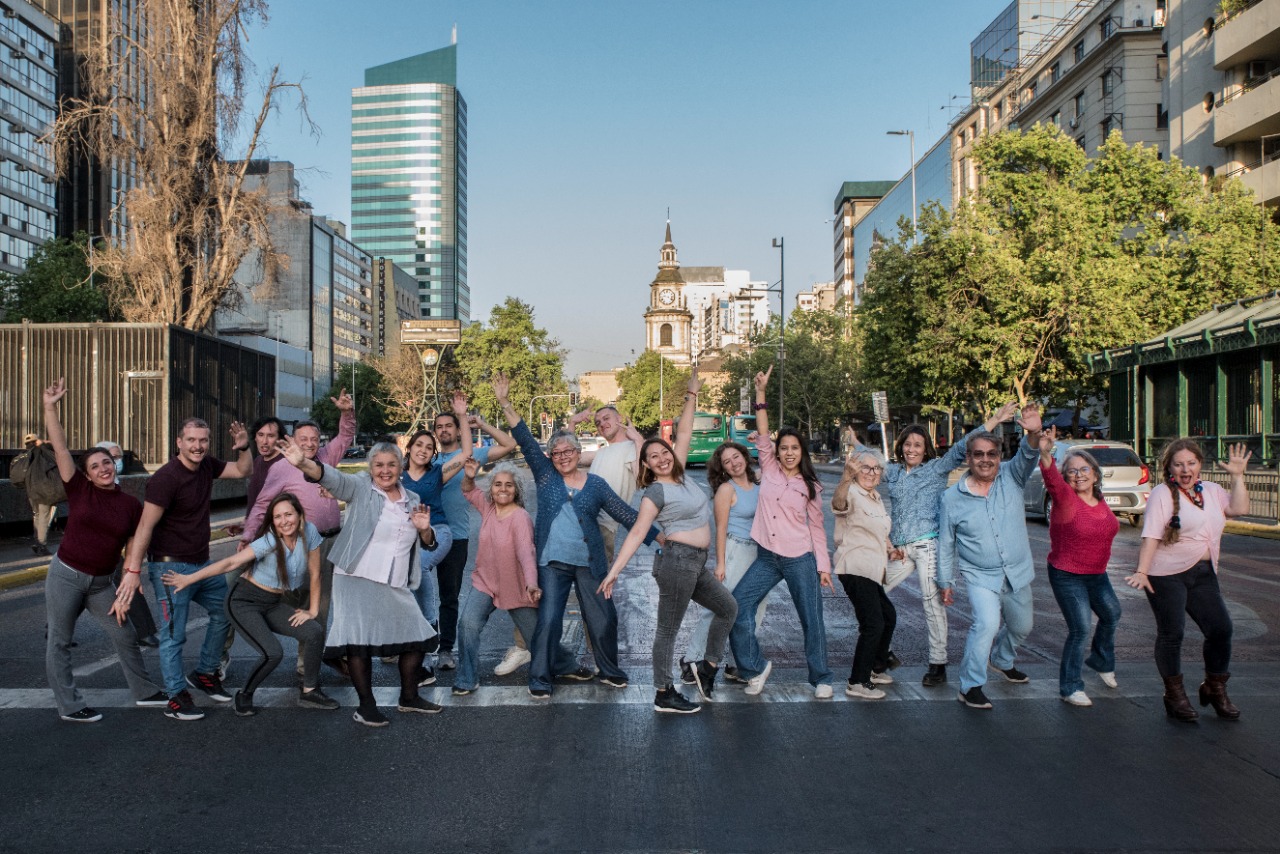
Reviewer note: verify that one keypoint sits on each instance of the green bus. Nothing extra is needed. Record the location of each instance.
(711, 430)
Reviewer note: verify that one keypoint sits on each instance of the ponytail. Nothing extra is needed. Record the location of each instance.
(1175, 523)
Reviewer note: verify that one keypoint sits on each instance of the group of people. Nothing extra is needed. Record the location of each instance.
(386, 581)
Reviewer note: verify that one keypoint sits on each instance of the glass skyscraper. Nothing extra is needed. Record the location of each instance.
(409, 176)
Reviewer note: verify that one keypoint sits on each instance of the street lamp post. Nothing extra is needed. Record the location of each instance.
(778, 243)
(911, 136)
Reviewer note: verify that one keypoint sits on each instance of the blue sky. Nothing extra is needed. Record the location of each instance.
(587, 120)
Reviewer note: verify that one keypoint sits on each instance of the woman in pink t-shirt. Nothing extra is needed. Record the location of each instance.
(1178, 569)
(1081, 530)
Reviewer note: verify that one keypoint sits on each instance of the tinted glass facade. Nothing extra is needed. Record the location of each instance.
(28, 100)
(409, 176)
(1012, 36)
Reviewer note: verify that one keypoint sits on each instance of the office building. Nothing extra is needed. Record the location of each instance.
(1005, 43)
(395, 299)
(91, 194)
(28, 104)
(853, 202)
(323, 300)
(409, 176)
(823, 296)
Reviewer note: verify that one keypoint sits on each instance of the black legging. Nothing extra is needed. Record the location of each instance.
(360, 669)
(259, 615)
(1193, 592)
(449, 573)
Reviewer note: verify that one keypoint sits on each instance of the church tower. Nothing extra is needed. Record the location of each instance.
(667, 320)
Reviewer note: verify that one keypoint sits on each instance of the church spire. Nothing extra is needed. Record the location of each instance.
(668, 252)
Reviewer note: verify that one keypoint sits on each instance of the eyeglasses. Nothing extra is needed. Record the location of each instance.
(985, 455)
(560, 455)
(1078, 472)
(870, 469)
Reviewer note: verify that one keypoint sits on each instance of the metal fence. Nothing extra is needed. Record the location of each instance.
(1263, 488)
(130, 383)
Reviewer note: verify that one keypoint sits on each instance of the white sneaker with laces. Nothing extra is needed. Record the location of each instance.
(822, 692)
(1078, 698)
(881, 678)
(863, 692)
(512, 661)
(1109, 679)
(756, 683)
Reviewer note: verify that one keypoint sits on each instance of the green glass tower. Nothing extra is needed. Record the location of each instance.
(409, 176)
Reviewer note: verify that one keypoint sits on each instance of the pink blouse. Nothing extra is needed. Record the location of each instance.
(1201, 529)
(788, 522)
(505, 556)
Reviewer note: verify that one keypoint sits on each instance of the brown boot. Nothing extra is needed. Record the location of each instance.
(1214, 690)
(1176, 704)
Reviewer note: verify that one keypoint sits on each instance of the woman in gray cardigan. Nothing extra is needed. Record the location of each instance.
(376, 568)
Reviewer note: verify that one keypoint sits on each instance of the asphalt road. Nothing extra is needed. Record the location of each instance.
(597, 770)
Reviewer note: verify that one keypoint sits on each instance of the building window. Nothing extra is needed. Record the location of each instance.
(1031, 91)
(1162, 117)
(1208, 102)
(1108, 84)
(1162, 67)
(1056, 118)
(1107, 27)
(1055, 71)
(996, 112)
(1077, 104)
(664, 335)
(1077, 52)
(1080, 142)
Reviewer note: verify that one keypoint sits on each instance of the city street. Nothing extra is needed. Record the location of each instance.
(598, 770)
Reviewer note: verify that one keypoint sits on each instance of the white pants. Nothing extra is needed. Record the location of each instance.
(922, 557)
(738, 556)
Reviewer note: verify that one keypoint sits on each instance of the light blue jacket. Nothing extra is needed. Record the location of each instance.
(914, 495)
(985, 539)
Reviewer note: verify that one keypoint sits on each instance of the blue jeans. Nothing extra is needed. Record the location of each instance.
(428, 592)
(210, 594)
(1077, 595)
(474, 614)
(598, 613)
(987, 639)
(801, 575)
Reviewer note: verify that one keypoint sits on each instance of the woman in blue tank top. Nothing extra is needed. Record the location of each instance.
(733, 479)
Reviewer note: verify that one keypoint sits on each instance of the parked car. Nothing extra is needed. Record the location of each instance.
(592, 443)
(1126, 482)
(355, 452)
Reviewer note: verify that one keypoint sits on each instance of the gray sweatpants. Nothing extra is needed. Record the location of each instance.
(682, 575)
(67, 594)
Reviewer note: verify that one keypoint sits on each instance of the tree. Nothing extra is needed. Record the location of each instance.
(639, 387)
(166, 98)
(823, 381)
(1056, 257)
(363, 382)
(56, 287)
(511, 342)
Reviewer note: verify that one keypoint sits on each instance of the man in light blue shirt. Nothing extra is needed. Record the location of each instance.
(449, 437)
(983, 535)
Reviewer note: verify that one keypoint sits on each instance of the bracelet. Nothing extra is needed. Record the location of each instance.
(760, 406)
(240, 450)
(134, 571)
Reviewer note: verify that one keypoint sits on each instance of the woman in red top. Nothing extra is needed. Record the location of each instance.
(1081, 529)
(100, 523)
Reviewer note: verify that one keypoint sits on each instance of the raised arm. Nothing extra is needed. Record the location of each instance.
(1235, 465)
(840, 497)
(954, 457)
(538, 462)
(505, 443)
(243, 466)
(762, 412)
(684, 428)
(53, 427)
(343, 487)
(1024, 460)
(333, 452)
(467, 450)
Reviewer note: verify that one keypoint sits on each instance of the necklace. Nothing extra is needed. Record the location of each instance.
(1196, 496)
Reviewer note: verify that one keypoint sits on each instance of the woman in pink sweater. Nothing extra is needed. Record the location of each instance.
(1081, 529)
(506, 573)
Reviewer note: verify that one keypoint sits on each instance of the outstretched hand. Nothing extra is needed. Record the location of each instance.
(471, 467)
(54, 393)
(460, 406)
(239, 436)
(501, 388)
(1047, 440)
(762, 380)
(1237, 460)
(343, 401)
(290, 450)
(1004, 413)
(1031, 420)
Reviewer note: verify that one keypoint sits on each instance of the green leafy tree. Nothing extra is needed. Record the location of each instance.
(511, 342)
(56, 287)
(641, 391)
(823, 380)
(1056, 257)
(363, 382)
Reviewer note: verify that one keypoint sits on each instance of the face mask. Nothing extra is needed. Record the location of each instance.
(119, 465)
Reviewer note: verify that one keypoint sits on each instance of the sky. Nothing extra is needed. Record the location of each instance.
(588, 120)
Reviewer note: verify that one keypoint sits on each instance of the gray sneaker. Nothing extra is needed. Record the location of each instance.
(316, 699)
(446, 661)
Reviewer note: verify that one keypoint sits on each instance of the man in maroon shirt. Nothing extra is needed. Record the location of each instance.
(174, 535)
(266, 432)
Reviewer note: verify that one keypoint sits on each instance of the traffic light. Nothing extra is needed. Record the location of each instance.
(573, 399)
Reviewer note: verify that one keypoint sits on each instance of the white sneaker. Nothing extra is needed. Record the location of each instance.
(1079, 698)
(512, 661)
(863, 692)
(881, 678)
(1109, 679)
(756, 683)
(822, 692)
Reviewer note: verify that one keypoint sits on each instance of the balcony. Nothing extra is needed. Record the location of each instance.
(1264, 180)
(1248, 115)
(1253, 34)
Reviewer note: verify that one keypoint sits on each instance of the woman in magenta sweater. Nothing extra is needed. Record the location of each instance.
(1081, 529)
